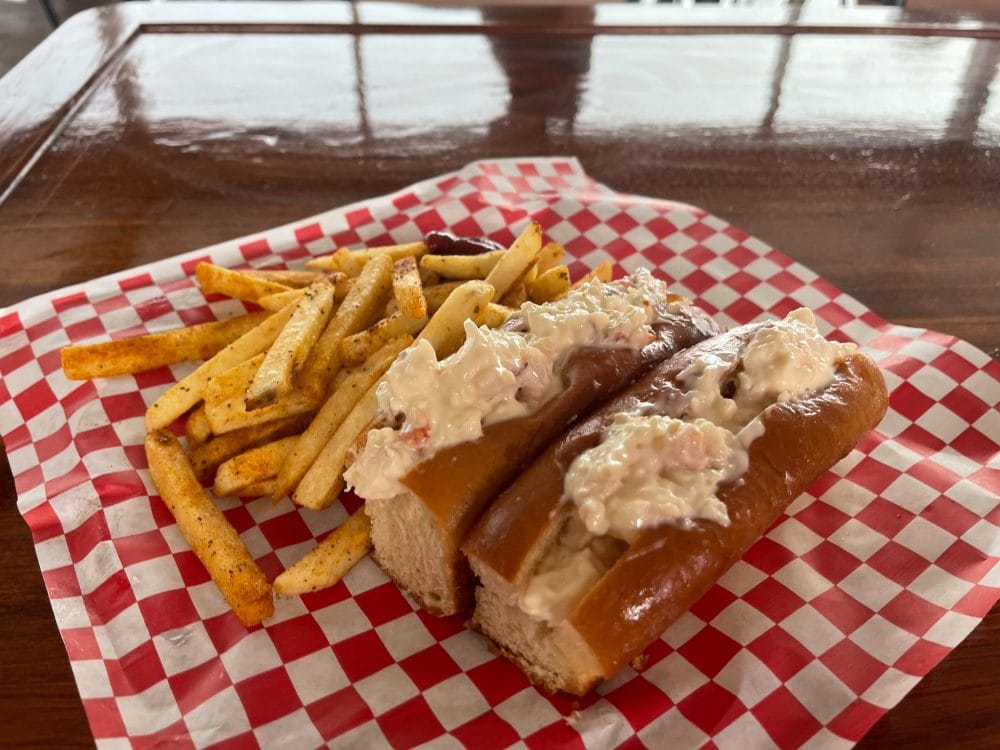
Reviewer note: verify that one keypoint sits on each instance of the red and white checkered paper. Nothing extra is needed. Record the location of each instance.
(871, 578)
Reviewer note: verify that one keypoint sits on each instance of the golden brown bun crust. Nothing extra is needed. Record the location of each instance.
(458, 483)
(506, 536)
(668, 569)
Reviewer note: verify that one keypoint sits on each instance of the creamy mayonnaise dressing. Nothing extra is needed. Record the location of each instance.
(650, 469)
(567, 571)
(497, 375)
(785, 360)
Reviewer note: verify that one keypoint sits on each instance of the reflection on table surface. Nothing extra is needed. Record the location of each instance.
(817, 142)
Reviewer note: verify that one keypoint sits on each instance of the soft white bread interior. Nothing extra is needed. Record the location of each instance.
(417, 552)
(557, 658)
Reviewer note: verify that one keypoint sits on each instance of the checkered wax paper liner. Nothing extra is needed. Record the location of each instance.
(885, 565)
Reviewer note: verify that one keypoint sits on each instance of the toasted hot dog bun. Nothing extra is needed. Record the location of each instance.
(418, 535)
(664, 570)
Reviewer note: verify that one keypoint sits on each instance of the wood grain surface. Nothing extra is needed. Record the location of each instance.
(864, 145)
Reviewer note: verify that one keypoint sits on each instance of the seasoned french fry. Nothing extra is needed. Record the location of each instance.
(494, 315)
(342, 283)
(531, 274)
(232, 414)
(435, 296)
(260, 489)
(281, 299)
(324, 480)
(326, 563)
(289, 351)
(407, 288)
(352, 261)
(516, 296)
(603, 272)
(207, 458)
(446, 329)
(324, 262)
(462, 266)
(356, 383)
(348, 262)
(294, 279)
(550, 254)
(187, 392)
(256, 465)
(212, 538)
(428, 277)
(218, 280)
(196, 428)
(338, 380)
(359, 310)
(516, 260)
(356, 348)
(140, 353)
(232, 383)
(549, 286)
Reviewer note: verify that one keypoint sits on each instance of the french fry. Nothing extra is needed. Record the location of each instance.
(207, 458)
(338, 380)
(428, 277)
(531, 274)
(550, 254)
(196, 427)
(332, 414)
(256, 465)
(293, 279)
(215, 279)
(516, 296)
(549, 286)
(494, 315)
(446, 329)
(356, 348)
(324, 480)
(407, 288)
(342, 284)
(462, 266)
(187, 392)
(359, 310)
(289, 351)
(603, 272)
(346, 261)
(435, 295)
(516, 260)
(324, 262)
(281, 299)
(232, 383)
(212, 538)
(140, 353)
(232, 414)
(352, 261)
(260, 489)
(326, 563)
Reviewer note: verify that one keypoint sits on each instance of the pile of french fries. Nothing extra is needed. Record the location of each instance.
(282, 397)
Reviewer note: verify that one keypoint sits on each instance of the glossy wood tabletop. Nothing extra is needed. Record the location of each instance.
(864, 144)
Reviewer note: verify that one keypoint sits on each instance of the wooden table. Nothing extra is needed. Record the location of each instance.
(861, 143)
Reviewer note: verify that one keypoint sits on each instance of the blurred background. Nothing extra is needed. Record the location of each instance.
(25, 23)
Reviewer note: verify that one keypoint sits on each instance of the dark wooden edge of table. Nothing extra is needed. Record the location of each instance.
(112, 29)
